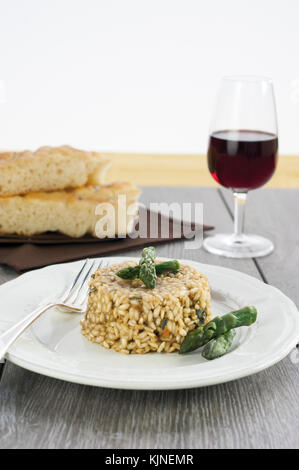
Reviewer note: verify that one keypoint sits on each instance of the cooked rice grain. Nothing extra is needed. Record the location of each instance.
(127, 317)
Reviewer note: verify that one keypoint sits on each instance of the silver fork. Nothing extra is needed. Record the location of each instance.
(71, 300)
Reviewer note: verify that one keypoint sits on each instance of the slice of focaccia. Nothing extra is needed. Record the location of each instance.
(50, 169)
(72, 212)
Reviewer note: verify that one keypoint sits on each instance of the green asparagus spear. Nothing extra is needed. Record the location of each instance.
(133, 272)
(167, 266)
(147, 273)
(148, 255)
(129, 273)
(218, 326)
(219, 346)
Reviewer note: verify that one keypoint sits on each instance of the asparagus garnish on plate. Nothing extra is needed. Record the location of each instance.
(219, 346)
(147, 273)
(132, 272)
(217, 327)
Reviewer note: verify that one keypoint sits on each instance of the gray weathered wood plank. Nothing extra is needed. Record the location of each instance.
(261, 411)
(273, 213)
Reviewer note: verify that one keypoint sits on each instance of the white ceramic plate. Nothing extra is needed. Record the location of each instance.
(54, 346)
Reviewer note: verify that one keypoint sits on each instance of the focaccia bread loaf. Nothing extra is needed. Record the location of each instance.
(50, 169)
(71, 212)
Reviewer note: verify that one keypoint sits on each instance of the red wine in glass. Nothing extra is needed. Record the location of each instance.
(242, 156)
(242, 159)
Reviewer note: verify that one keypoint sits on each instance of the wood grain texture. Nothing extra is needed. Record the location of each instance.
(261, 411)
(186, 170)
(274, 214)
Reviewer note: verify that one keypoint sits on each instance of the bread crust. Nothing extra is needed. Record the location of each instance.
(50, 169)
(71, 211)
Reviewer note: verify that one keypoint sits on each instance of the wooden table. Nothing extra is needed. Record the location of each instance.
(186, 170)
(261, 411)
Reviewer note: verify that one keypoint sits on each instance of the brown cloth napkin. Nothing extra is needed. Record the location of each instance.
(25, 253)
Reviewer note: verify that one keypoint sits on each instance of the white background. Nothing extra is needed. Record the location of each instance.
(139, 75)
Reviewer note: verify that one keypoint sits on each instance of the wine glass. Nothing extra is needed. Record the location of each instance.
(242, 155)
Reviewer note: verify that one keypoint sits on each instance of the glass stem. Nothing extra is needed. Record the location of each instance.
(239, 216)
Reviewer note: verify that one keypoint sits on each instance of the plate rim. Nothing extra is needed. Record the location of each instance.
(119, 383)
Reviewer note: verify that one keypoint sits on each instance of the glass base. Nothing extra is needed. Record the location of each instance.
(246, 246)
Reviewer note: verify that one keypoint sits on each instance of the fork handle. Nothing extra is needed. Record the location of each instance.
(10, 335)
